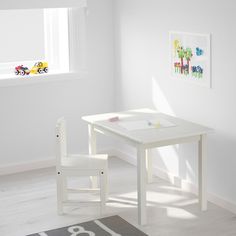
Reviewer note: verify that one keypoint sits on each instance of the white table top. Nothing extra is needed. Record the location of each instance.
(181, 128)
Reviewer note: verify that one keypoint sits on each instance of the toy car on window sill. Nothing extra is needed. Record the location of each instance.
(22, 70)
(39, 68)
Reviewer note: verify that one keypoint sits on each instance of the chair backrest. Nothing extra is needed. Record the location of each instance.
(61, 142)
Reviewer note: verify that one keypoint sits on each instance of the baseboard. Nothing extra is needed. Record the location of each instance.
(177, 181)
(26, 166)
(219, 201)
(121, 155)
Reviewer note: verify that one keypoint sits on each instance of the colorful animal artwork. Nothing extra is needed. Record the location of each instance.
(183, 58)
(177, 66)
(197, 71)
(184, 55)
(199, 51)
(190, 57)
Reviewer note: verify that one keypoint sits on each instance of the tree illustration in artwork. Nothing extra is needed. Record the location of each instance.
(181, 55)
(188, 55)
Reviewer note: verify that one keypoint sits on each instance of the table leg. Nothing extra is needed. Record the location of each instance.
(149, 166)
(202, 175)
(92, 151)
(141, 185)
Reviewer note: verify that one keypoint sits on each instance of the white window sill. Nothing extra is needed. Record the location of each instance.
(12, 80)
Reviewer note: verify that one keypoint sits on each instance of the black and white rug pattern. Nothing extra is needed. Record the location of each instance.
(108, 226)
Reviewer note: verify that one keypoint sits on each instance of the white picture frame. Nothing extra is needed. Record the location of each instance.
(190, 57)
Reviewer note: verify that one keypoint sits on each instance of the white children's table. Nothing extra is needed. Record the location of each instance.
(145, 129)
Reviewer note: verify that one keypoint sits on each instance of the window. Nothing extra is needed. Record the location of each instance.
(53, 36)
(31, 36)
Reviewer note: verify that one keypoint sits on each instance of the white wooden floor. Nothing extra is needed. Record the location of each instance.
(28, 205)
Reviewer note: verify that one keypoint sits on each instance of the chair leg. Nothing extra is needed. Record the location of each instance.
(106, 185)
(64, 188)
(59, 193)
(103, 191)
(94, 181)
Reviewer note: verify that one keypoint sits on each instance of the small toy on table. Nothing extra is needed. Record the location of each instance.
(114, 119)
(155, 125)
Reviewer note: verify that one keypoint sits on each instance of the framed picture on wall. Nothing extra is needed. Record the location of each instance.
(190, 57)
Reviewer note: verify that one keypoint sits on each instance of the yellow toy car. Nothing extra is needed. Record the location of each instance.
(39, 68)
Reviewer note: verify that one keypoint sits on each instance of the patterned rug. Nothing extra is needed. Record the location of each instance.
(109, 226)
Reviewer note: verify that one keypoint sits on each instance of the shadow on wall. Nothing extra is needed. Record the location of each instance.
(177, 160)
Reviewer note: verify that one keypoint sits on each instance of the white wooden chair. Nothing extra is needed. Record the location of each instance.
(77, 165)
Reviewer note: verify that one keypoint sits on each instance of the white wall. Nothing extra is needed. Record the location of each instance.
(143, 80)
(29, 112)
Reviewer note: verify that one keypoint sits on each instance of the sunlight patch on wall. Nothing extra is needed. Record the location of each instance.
(190, 174)
(170, 158)
(159, 99)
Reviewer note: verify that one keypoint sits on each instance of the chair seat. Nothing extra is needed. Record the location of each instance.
(89, 162)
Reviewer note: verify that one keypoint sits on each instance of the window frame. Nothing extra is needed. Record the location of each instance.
(56, 39)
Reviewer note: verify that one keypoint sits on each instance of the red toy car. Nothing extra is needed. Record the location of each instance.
(22, 70)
